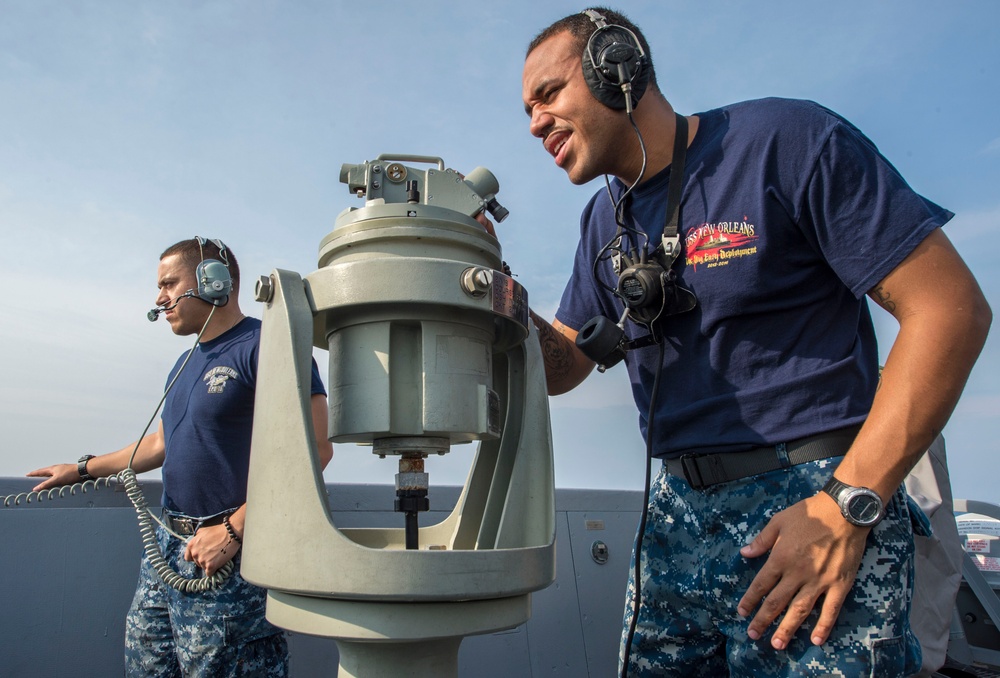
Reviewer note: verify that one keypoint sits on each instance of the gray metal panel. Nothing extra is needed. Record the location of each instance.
(555, 636)
(602, 587)
(495, 655)
(312, 656)
(68, 577)
(70, 565)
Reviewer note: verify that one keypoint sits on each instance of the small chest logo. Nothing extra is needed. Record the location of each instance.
(218, 377)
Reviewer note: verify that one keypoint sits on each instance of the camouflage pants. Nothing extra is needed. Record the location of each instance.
(693, 577)
(216, 633)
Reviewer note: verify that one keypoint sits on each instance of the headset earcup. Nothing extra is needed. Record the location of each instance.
(214, 282)
(606, 88)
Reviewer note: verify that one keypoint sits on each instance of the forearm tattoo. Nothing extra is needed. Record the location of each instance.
(556, 350)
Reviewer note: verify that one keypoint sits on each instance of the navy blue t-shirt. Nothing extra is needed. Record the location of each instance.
(208, 421)
(789, 216)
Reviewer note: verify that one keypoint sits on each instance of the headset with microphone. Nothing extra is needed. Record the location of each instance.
(214, 280)
(154, 313)
(617, 71)
(616, 68)
(615, 65)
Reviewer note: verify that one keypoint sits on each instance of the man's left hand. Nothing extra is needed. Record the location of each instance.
(815, 553)
(486, 223)
(205, 548)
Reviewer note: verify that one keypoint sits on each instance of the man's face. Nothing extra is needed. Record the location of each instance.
(174, 278)
(582, 134)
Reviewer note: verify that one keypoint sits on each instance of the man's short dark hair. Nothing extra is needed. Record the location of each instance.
(581, 28)
(192, 252)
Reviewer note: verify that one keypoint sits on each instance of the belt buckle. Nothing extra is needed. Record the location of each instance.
(182, 525)
(692, 473)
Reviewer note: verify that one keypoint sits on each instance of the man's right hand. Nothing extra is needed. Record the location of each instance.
(56, 476)
(487, 224)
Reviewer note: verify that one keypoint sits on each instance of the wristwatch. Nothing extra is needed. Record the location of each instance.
(859, 505)
(81, 467)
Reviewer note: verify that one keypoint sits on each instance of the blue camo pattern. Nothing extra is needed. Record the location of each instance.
(221, 633)
(693, 577)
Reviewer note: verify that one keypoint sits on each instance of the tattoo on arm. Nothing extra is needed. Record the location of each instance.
(556, 351)
(884, 299)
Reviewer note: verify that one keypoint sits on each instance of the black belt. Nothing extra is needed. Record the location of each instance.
(185, 526)
(704, 470)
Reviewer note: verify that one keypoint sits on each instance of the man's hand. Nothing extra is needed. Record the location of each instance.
(487, 224)
(205, 548)
(56, 476)
(815, 553)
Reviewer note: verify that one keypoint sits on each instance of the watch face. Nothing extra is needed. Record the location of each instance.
(864, 509)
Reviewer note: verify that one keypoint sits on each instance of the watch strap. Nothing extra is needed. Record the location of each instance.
(835, 489)
(842, 493)
(81, 467)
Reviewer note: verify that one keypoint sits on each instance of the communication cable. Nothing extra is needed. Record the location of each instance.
(12, 500)
(636, 571)
(147, 531)
(615, 245)
(133, 491)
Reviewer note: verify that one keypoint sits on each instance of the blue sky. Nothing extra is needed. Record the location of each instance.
(127, 126)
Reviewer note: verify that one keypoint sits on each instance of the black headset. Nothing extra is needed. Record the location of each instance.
(615, 65)
(647, 284)
(214, 279)
(616, 70)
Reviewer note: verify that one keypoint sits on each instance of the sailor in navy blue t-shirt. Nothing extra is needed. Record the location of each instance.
(778, 539)
(203, 446)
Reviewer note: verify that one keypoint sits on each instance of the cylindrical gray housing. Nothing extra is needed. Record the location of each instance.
(411, 350)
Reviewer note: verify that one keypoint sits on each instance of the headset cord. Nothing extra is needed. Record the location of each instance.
(637, 570)
(127, 477)
(12, 500)
(147, 531)
(619, 206)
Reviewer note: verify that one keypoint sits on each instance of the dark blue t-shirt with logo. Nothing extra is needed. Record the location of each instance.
(208, 421)
(789, 216)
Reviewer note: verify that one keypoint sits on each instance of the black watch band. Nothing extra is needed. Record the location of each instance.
(81, 467)
(860, 506)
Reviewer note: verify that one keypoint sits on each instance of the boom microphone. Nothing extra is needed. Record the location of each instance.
(154, 313)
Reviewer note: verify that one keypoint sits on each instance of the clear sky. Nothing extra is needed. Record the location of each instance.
(128, 125)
